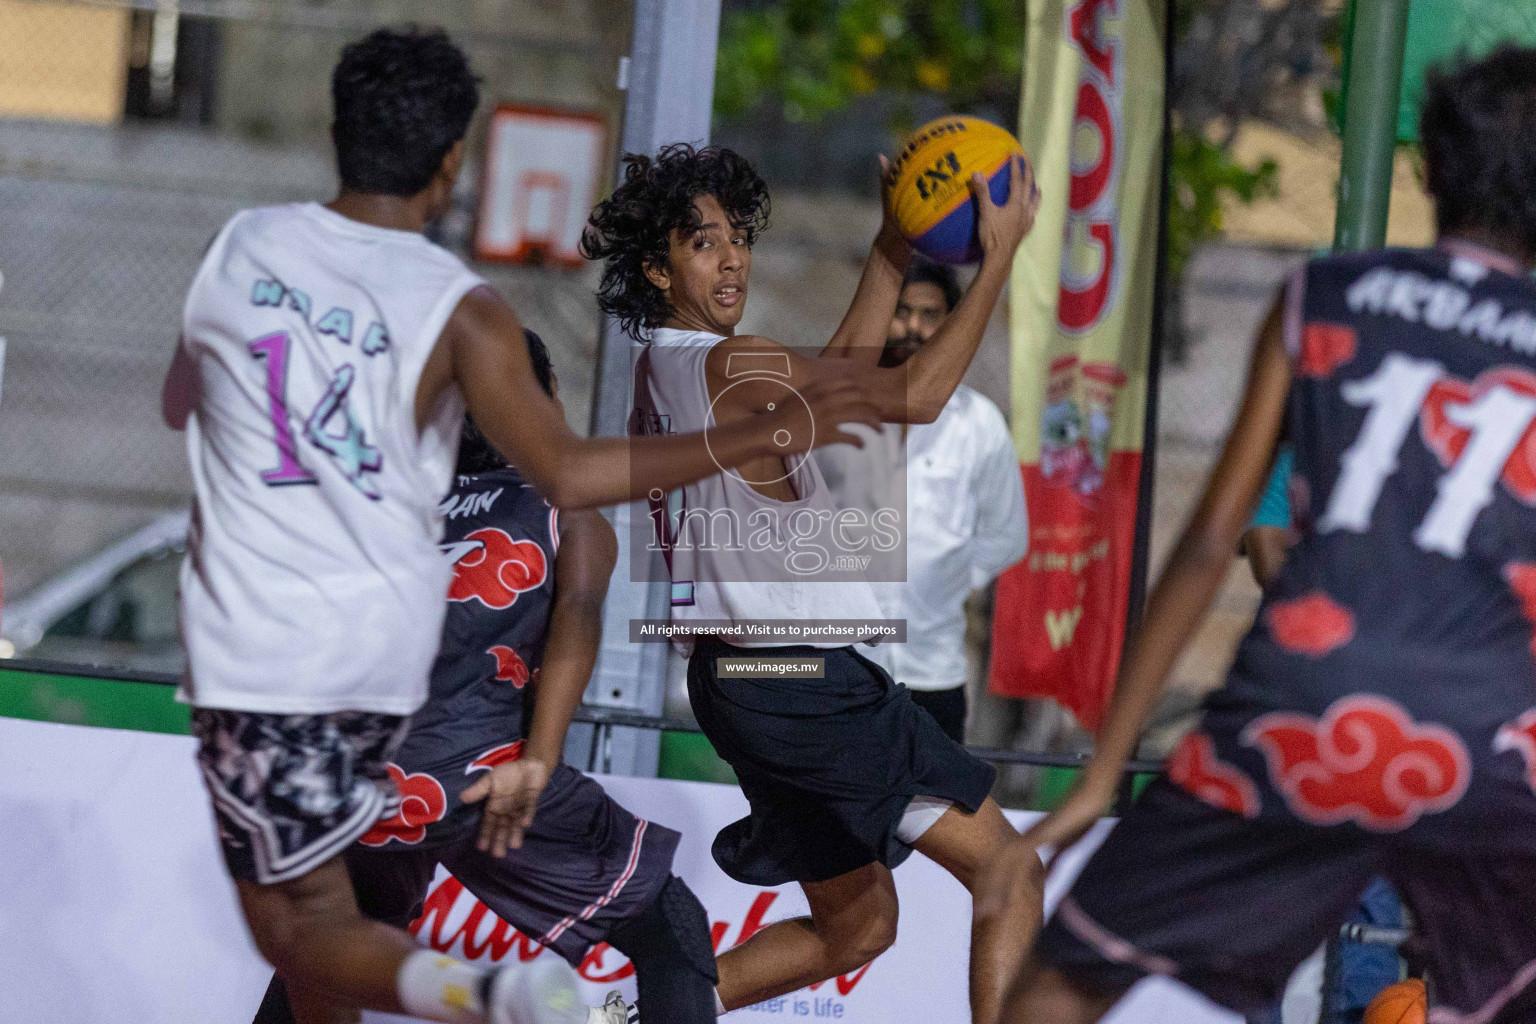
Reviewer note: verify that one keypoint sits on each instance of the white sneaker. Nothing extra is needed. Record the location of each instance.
(542, 991)
(613, 1011)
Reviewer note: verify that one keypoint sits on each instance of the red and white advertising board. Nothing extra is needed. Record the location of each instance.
(115, 909)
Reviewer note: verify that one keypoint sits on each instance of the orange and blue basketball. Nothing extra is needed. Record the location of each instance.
(927, 184)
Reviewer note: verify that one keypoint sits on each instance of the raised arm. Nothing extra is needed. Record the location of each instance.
(861, 335)
(1184, 593)
(511, 791)
(483, 354)
(916, 391)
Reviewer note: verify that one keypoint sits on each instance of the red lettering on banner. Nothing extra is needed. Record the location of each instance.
(592, 966)
(845, 982)
(754, 922)
(445, 899)
(498, 942)
(1088, 183)
(1093, 213)
(1083, 25)
(1079, 310)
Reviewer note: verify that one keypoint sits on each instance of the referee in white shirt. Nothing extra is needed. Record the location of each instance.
(966, 519)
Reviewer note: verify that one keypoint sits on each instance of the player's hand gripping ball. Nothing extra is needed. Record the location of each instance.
(927, 191)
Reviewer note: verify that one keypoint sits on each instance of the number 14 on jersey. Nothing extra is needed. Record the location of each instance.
(348, 448)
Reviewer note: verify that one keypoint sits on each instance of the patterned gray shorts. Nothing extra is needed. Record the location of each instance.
(292, 791)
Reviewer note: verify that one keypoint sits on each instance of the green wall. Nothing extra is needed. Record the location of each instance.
(110, 703)
(152, 707)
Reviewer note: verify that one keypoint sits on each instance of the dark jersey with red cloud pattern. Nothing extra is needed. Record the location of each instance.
(1390, 676)
(502, 538)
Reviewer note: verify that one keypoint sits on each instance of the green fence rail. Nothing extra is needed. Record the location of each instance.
(144, 702)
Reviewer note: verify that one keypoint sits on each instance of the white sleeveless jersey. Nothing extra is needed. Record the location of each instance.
(313, 581)
(715, 581)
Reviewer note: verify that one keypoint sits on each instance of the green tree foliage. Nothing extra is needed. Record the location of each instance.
(812, 57)
(1235, 60)
(1202, 174)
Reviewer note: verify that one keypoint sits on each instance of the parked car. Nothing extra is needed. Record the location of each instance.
(117, 609)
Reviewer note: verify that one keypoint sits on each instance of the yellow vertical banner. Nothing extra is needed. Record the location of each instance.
(1082, 296)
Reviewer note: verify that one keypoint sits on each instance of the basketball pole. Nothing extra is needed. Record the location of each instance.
(1378, 35)
(669, 84)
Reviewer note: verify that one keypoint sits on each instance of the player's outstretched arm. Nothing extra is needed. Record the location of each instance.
(511, 791)
(482, 353)
(917, 391)
(1184, 593)
(861, 335)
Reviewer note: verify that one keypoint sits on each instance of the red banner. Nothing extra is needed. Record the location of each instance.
(1081, 305)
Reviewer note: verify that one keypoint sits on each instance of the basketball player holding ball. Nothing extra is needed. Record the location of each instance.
(844, 774)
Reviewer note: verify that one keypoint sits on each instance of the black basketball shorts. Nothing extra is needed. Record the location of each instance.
(1230, 905)
(586, 866)
(292, 791)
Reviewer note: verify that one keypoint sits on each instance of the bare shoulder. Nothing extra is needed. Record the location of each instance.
(482, 308)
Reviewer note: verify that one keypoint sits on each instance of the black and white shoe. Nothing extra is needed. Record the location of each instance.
(613, 1011)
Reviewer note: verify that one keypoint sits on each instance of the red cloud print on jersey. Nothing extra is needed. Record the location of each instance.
(422, 802)
(1365, 761)
(1447, 439)
(495, 756)
(1313, 624)
(496, 568)
(509, 667)
(1325, 348)
(1522, 580)
(1195, 767)
(1520, 735)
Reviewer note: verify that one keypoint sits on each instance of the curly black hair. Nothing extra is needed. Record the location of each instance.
(632, 228)
(1478, 130)
(402, 98)
(476, 453)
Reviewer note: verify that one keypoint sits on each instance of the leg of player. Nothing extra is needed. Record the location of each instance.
(1043, 995)
(311, 931)
(853, 920)
(307, 1007)
(1006, 881)
(669, 944)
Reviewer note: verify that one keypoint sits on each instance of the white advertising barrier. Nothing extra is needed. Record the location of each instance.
(114, 905)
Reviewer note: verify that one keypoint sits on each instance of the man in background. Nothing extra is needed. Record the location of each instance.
(964, 500)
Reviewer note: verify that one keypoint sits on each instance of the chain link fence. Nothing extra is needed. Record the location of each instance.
(129, 132)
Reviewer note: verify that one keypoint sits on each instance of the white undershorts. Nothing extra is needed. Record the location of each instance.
(919, 817)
